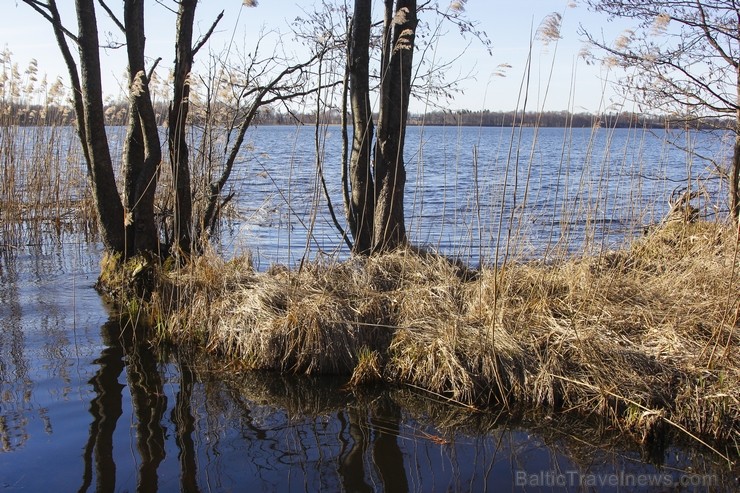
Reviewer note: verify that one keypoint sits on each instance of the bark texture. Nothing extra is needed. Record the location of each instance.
(378, 174)
(362, 198)
(178, 114)
(389, 230)
(107, 201)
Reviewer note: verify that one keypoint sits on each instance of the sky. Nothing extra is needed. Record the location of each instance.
(559, 79)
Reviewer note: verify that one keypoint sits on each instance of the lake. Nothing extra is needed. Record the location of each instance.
(480, 194)
(86, 405)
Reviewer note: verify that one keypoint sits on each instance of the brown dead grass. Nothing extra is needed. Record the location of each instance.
(642, 337)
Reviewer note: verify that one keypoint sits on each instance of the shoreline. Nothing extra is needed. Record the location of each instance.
(645, 338)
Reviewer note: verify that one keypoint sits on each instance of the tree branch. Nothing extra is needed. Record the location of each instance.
(112, 16)
(708, 35)
(203, 40)
(42, 8)
(151, 70)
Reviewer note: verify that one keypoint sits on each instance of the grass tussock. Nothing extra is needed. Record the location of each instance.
(643, 338)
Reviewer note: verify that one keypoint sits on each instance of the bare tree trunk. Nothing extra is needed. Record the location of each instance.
(362, 200)
(179, 157)
(133, 159)
(207, 222)
(735, 168)
(389, 229)
(735, 180)
(107, 201)
(143, 154)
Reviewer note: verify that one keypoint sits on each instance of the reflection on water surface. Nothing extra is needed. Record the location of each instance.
(86, 405)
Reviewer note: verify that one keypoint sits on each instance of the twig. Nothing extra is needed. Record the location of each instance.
(644, 408)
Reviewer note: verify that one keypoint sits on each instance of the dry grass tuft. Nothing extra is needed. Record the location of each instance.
(300, 322)
(641, 337)
(369, 369)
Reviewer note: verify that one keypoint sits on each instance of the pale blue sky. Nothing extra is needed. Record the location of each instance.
(509, 25)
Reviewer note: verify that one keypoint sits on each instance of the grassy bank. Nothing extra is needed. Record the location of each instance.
(645, 338)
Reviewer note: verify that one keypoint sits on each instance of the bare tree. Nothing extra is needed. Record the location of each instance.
(360, 207)
(87, 92)
(127, 223)
(399, 32)
(377, 174)
(127, 219)
(178, 122)
(176, 125)
(683, 58)
(374, 174)
(142, 153)
(252, 83)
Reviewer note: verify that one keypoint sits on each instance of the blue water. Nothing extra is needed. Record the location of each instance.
(86, 405)
(479, 194)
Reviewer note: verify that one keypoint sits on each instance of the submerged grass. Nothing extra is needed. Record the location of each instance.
(643, 338)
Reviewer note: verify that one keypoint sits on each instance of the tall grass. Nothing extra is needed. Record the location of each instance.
(43, 186)
(612, 294)
(645, 337)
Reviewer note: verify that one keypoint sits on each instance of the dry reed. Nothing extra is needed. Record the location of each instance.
(43, 184)
(641, 337)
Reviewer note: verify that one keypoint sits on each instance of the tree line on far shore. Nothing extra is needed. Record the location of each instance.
(359, 72)
(117, 114)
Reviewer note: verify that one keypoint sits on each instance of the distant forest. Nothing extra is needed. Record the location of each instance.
(467, 118)
(117, 114)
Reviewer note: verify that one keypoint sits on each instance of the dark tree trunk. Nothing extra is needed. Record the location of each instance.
(107, 201)
(127, 224)
(133, 160)
(177, 118)
(389, 229)
(735, 168)
(361, 205)
(735, 179)
(143, 154)
(74, 78)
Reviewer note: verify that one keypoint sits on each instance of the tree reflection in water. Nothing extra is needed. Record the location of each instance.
(266, 432)
(149, 405)
(302, 434)
(359, 454)
(106, 407)
(182, 418)
(387, 456)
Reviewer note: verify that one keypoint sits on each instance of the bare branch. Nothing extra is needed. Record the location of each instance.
(695, 70)
(112, 16)
(203, 40)
(710, 38)
(151, 70)
(45, 11)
